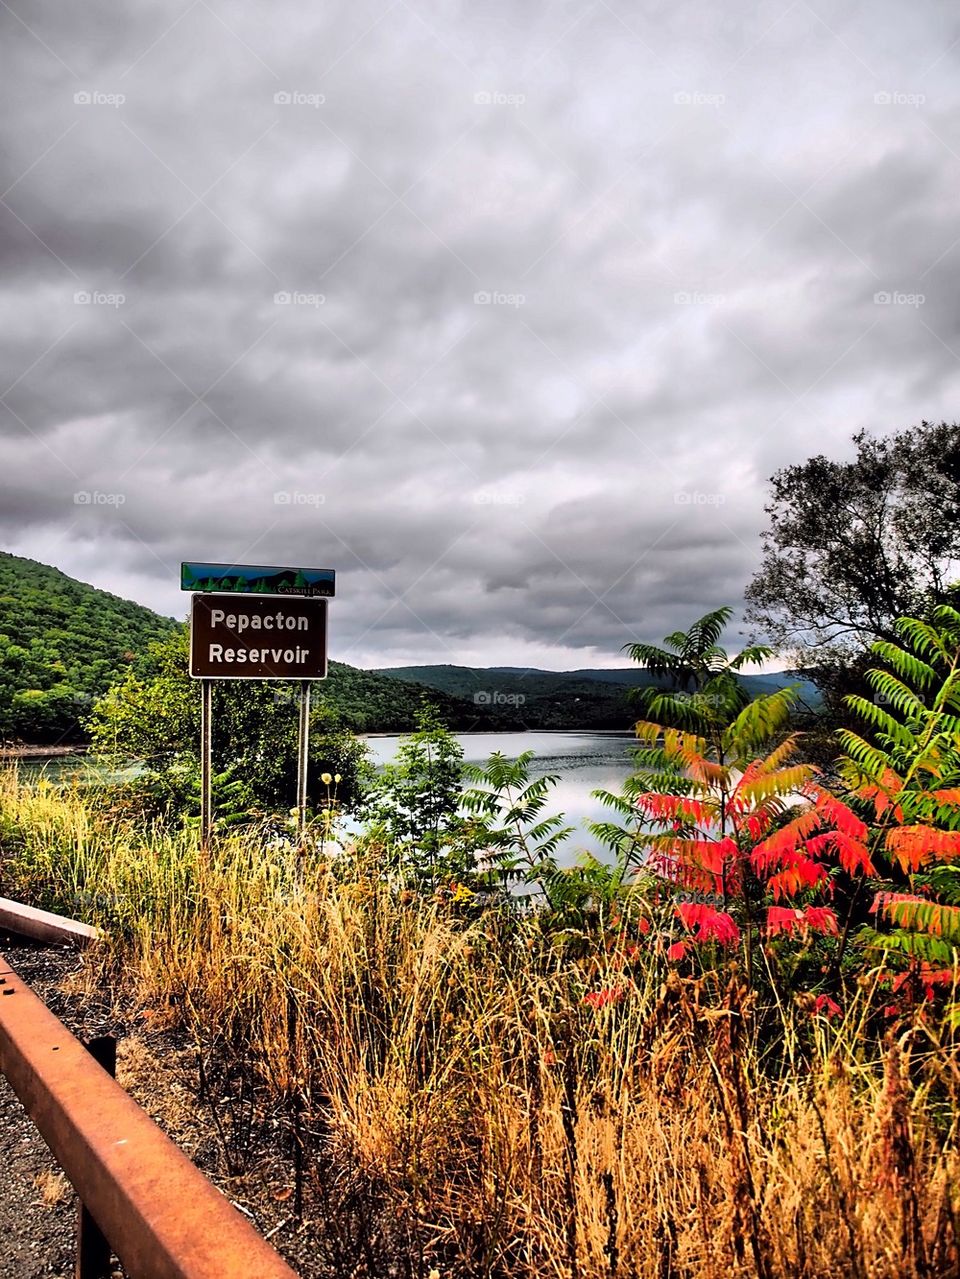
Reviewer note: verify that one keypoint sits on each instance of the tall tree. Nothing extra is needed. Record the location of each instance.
(853, 545)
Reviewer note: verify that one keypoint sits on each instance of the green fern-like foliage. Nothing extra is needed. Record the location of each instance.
(709, 706)
(906, 766)
(904, 944)
(705, 696)
(519, 842)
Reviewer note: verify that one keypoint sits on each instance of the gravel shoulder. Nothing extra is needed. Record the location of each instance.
(325, 1222)
(38, 1209)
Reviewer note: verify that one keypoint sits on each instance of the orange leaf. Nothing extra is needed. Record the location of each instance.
(915, 846)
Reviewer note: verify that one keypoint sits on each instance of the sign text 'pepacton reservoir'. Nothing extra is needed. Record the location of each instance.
(258, 637)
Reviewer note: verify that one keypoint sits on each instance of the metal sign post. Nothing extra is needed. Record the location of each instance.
(262, 622)
(206, 762)
(303, 757)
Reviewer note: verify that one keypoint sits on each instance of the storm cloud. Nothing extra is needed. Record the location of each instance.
(506, 312)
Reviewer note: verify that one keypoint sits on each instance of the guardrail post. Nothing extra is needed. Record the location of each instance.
(163, 1218)
(93, 1252)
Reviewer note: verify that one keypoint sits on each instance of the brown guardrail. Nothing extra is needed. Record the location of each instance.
(161, 1216)
(43, 925)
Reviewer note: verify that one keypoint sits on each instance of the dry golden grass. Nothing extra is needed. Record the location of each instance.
(53, 1188)
(514, 1130)
(157, 1084)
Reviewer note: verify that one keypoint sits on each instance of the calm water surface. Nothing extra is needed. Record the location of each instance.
(67, 768)
(584, 762)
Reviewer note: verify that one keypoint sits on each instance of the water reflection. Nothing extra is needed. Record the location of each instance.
(584, 762)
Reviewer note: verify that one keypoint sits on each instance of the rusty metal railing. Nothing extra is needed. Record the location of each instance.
(43, 925)
(161, 1216)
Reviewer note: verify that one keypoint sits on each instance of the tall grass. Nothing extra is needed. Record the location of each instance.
(454, 1070)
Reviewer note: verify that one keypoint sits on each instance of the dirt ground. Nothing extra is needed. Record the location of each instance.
(243, 1146)
(38, 1209)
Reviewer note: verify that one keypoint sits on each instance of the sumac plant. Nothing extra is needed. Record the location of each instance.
(744, 852)
(745, 840)
(906, 772)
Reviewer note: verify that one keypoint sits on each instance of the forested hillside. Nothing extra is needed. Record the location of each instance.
(62, 644)
(589, 698)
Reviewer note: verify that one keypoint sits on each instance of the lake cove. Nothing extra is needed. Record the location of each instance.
(584, 762)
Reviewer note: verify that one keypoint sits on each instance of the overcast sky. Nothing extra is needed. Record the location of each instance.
(505, 311)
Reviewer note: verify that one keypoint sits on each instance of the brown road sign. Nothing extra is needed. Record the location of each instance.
(258, 637)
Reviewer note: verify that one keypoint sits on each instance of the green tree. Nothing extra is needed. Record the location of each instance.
(414, 804)
(852, 546)
(153, 715)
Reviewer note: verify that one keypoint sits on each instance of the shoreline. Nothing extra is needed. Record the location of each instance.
(504, 732)
(42, 752)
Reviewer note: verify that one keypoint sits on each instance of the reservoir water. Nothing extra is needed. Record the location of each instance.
(583, 762)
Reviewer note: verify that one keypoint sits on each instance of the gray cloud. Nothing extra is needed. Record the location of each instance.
(506, 313)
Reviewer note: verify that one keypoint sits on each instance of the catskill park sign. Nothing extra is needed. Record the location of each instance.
(236, 636)
(258, 579)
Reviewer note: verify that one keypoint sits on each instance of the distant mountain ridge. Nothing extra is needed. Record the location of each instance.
(64, 642)
(584, 698)
(637, 676)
